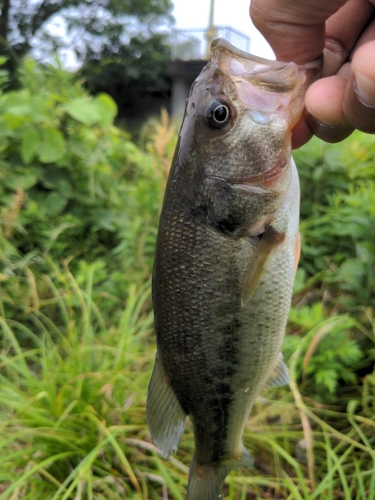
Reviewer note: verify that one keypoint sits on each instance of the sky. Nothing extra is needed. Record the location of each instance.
(232, 13)
(190, 14)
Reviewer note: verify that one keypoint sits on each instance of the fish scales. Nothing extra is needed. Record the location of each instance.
(226, 343)
(225, 260)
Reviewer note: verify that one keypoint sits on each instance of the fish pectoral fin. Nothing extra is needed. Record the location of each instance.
(297, 252)
(269, 240)
(279, 374)
(205, 481)
(165, 416)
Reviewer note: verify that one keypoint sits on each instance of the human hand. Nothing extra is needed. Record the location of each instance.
(299, 30)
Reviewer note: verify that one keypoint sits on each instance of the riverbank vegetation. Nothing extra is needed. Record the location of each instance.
(79, 211)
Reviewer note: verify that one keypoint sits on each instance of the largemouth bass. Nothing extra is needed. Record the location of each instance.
(225, 259)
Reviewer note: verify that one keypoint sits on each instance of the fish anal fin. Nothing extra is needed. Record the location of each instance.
(269, 241)
(205, 481)
(165, 416)
(279, 374)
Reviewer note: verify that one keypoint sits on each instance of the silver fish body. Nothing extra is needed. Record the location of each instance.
(225, 259)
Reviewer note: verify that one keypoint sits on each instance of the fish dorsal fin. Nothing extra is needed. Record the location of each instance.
(279, 374)
(165, 416)
(270, 239)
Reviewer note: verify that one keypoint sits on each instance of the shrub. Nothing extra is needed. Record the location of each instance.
(71, 183)
(337, 268)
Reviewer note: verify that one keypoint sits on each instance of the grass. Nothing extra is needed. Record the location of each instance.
(72, 413)
(69, 397)
(76, 354)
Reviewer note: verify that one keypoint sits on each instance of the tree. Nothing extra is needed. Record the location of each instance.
(89, 27)
(135, 77)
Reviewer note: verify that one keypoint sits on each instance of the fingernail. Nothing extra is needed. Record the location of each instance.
(364, 87)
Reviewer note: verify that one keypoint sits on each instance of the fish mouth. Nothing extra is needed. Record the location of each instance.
(224, 45)
(265, 87)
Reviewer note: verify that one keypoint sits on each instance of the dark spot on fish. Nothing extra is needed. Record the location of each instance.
(226, 226)
(217, 205)
(200, 211)
(228, 354)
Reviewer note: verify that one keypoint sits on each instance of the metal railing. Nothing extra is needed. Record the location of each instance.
(193, 44)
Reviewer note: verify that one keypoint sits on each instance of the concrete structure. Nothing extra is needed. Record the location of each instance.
(182, 74)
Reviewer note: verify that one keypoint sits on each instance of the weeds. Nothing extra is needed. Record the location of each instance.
(73, 421)
(73, 417)
(68, 401)
(76, 334)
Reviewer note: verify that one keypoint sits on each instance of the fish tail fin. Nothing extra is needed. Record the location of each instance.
(165, 416)
(205, 481)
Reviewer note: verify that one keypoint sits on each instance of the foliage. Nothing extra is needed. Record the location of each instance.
(76, 340)
(88, 27)
(331, 353)
(72, 419)
(337, 269)
(72, 395)
(338, 218)
(135, 77)
(71, 183)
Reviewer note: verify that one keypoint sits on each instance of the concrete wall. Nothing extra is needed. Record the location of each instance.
(182, 74)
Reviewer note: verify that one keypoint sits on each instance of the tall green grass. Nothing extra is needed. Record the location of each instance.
(76, 334)
(71, 398)
(72, 419)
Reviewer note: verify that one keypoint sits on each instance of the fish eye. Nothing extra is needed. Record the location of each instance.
(218, 115)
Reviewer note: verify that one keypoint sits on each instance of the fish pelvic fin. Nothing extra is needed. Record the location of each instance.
(165, 416)
(297, 252)
(205, 481)
(269, 241)
(279, 374)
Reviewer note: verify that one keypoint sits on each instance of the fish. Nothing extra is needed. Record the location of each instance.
(225, 259)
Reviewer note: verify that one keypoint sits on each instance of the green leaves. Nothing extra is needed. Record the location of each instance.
(36, 120)
(337, 268)
(60, 148)
(22, 178)
(329, 353)
(30, 143)
(52, 146)
(48, 145)
(54, 203)
(87, 110)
